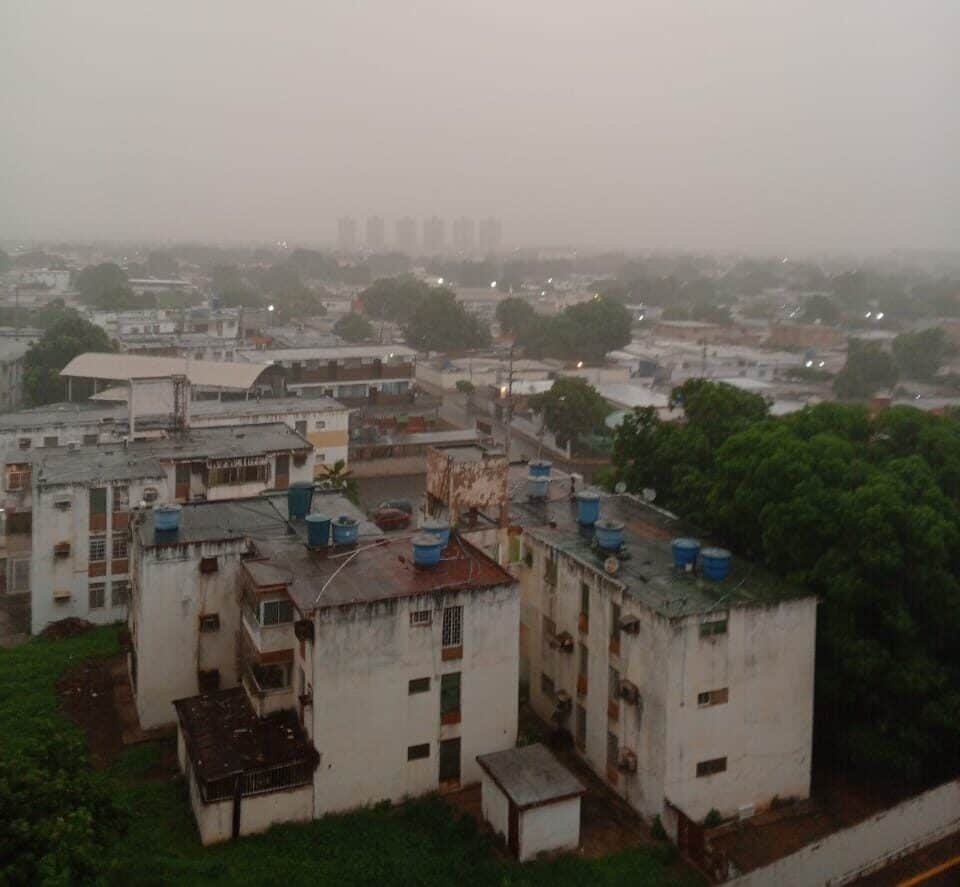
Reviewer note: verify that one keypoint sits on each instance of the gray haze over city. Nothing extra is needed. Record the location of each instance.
(746, 125)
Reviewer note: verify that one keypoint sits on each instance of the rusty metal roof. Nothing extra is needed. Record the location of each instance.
(224, 736)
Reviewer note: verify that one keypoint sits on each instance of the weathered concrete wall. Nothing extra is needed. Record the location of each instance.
(846, 855)
(494, 805)
(394, 467)
(550, 828)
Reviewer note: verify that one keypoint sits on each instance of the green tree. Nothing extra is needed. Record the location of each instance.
(515, 314)
(920, 354)
(820, 308)
(571, 408)
(100, 282)
(241, 297)
(64, 340)
(440, 323)
(394, 298)
(342, 477)
(353, 327)
(868, 369)
(587, 331)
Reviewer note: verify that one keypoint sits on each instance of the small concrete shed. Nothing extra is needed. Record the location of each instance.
(531, 799)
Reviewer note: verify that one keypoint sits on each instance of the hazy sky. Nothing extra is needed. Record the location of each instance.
(748, 124)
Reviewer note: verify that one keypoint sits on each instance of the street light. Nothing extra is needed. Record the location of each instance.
(579, 364)
(439, 281)
(493, 284)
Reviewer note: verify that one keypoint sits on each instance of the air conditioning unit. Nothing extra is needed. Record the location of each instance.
(627, 762)
(630, 624)
(61, 549)
(629, 692)
(61, 595)
(62, 504)
(745, 811)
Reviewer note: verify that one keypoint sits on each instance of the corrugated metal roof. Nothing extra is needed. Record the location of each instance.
(125, 367)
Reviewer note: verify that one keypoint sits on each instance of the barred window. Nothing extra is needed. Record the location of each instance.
(119, 545)
(98, 548)
(613, 750)
(21, 574)
(120, 591)
(420, 617)
(98, 595)
(229, 475)
(452, 626)
(277, 612)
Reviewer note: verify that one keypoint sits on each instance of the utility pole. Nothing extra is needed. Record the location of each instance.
(509, 411)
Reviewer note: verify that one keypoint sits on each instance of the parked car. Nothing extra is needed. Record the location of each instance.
(391, 518)
(400, 504)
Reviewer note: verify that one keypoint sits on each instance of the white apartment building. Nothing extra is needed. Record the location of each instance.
(684, 693)
(73, 504)
(388, 677)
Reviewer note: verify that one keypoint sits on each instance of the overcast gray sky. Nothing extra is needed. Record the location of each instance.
(752, 124)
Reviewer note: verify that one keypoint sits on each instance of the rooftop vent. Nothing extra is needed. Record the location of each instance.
(610, 534)
(537, 486)
(715, 564)
(588, 507)
(427, 549)
(685, 552)
(166, 518)
(299, 499)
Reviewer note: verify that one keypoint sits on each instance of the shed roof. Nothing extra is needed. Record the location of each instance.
(531, 776)
(125, 367)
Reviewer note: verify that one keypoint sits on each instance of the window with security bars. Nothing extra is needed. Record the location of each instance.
(277, 612)
(20, 570)
(119, 546)
(452, 626)
(120, 592)
(420, 618)
(98, 548)
(236, 474)
(98, 595)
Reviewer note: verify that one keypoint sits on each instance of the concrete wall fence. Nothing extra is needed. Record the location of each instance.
(846, 855)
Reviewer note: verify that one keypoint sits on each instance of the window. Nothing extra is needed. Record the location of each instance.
(420, 618)
(583, 659)
(51, 441)
(319, 425)
(581, 727)
(121, 497)
(98, 500)
(91, 440)
(550, 569)
(208, 565)
(452, 626)
(714, 765)
(513, 549)
(548, 634)
(20, 570)
(418, 685)
(300, 427)
(229, 475)
(278, 612)
(713, 627)
(119, 546)
(613, 749)
(120, 592)
(98, 595)
(584, 598)
(615, 622)
(713, 697)
(450, 694)
(613, 682)
(416, 752)
(18, 477)
(272, 677)
(546, 686)
(209, 623)
(528, 556)
(98, 548)
(24, 443)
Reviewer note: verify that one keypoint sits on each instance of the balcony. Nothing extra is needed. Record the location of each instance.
(268, 638)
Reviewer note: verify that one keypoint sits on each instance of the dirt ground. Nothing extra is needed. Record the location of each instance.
(96, 694)
(14, 619)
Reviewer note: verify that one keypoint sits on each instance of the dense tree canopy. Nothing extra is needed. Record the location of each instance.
(102, 285)
(440, 323)
(820, 309)
(515, 314)
(66, 337)
(919, 355)
(353, 327)
(868, 369)
(586, 332)
(864, 512)
(571, 408)
(394, 298)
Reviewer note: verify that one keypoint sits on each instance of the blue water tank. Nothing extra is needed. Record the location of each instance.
(537, 486)
(541, 468)
(588, 507)
(609, 534)
(685, 552)
(438, 528)
(166, 518)
(299, 499)
(318, 530)
(345, 530)
(715, 563)
(427, 549)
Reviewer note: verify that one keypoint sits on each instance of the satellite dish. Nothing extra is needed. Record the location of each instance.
(611, 565)
(621, 487)
(649, 494)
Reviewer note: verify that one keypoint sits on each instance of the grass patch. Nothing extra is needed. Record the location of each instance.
(146, 834)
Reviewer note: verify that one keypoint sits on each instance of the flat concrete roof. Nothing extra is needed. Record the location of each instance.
(531, 776)
(126, 367)
(345, 352)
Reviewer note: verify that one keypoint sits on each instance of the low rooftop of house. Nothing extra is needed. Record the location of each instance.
(224, 736)
(140, 458)
(530, 776)
(644, 567)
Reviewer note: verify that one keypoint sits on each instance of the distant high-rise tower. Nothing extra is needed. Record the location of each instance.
(433, 239)
(407, 236)
(376, 234)
(489, 235)
(464, 235)
(347, 235)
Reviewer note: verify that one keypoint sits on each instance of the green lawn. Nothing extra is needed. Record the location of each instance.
(61, 823)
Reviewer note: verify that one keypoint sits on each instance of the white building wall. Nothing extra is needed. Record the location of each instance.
(494, 805)
(364, 718)
(550, 828)
(169, 596)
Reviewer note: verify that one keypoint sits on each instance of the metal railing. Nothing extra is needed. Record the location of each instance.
(258, 782)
